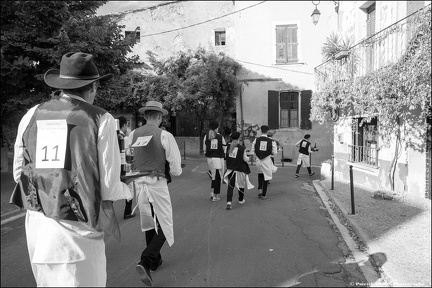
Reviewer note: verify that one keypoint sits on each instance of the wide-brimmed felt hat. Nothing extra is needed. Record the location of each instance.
(155, 106)
(76, 70)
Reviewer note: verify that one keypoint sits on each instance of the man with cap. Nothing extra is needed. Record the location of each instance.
(263, 147)
(305, 151)
(67, 166)
(154, 148)
(237, 171)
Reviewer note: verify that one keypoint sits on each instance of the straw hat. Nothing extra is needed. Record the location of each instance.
(155, 106)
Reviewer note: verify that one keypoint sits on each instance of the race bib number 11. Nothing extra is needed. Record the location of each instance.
(51, 142)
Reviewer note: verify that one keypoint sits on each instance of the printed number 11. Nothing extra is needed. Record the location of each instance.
(56, 151)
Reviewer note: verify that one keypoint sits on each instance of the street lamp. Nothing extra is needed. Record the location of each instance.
(315, 14)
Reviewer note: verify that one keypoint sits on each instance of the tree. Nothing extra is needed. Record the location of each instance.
(200, 83)
(35, 35)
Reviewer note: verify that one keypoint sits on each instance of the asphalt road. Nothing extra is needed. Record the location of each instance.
(286, 240)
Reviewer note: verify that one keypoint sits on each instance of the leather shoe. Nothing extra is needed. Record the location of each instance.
(144, 272)
(129, 216)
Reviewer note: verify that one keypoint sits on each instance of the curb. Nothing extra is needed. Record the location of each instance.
(371, 247)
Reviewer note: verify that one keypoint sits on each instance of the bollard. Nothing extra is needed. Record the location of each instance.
(184, 150)
(282, 158)
(332, 173)
(352, 191)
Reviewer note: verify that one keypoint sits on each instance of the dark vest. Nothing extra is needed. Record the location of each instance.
(73, 191)
(149, 159)
(266, 147)
(304, 147)
(214, 151)
(236, 162)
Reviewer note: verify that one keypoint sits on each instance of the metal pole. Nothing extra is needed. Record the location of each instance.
(332, 173)
(184, 150)
(282, 157)
(352, 191)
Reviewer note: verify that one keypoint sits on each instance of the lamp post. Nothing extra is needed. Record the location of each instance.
(315, 14)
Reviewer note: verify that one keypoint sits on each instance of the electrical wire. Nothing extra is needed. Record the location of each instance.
(274, 67)
(196, 24)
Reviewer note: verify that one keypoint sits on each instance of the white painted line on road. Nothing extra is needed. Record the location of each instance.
(12, 218)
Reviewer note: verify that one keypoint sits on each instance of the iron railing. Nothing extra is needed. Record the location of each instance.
(363, 154)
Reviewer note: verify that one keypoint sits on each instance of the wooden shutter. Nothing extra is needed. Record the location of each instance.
(306, 96)
(273, 109)
(292, 44)
(281, 44)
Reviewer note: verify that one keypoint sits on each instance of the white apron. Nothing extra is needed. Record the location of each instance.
(242, 179)
(266, 167)
(151, 190)
(216, 164)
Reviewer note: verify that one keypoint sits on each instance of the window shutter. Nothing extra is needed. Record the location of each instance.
(281, 44)
(273, 109)
(306, 96)
(292, 43)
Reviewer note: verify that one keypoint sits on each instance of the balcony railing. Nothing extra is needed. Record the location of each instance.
(364, 154)
(380, 50)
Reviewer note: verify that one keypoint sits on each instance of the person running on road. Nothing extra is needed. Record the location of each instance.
(304, 155)
(67, 161)
(263, 147)
(153, 148)
(214, 147)
(237, 171)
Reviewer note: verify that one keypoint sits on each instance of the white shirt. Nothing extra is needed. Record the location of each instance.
(111, 186)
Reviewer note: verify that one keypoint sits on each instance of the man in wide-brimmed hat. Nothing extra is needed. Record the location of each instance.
(67, 165)
(157, 156)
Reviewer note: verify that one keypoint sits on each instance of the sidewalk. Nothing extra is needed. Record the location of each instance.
(397, 234)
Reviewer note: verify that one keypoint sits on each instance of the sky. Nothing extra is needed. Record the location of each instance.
(121, 6)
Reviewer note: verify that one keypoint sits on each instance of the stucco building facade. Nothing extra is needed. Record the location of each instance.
(393, 167)
(276, 43)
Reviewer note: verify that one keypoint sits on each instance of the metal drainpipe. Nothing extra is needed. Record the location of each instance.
(241, 111)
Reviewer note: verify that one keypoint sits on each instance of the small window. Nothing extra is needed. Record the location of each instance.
(220, 38)
(289, 109)
(135, 34)
(286, 44)
(365, 142)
